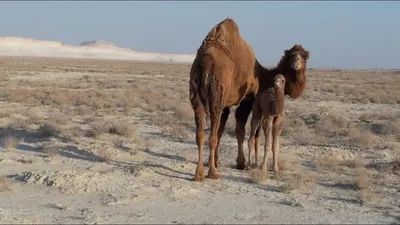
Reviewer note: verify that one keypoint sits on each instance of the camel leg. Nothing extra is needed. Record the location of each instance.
(254, 124)
(257, 144)
(199, 117)
(277, 129)
(215, 118)
(267, 127)
(241, 116)
(251, 142)
(224, 118)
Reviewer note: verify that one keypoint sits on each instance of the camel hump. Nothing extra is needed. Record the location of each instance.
(229, 24)
(225, 31)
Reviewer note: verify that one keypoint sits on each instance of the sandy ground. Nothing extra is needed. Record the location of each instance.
(61, 165)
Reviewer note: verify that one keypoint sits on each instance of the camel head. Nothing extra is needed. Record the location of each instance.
(297, 57)
(279, 81)
(293, 66)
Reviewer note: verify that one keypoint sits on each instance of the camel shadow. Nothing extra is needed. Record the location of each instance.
(154, 167)
(345, 200)
(345, 186)
(42, 134)
(172, 139)
(71, 151)
(45, 135)
(164, 155)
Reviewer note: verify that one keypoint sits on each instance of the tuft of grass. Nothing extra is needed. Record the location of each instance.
(48, 130)
(5, 184)
(326, 162)
(257, 175)
(364, 196)
(121, 128)
(51, 150)
(297, 181)
(361, 180)
(10, 142)
(105, 155)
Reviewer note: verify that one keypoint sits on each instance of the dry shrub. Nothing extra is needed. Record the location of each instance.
(361, 180)
(58, 118)
(296, 129)
(326, 162)
(48, 130)
(19, 123)
(296, 181)
(391, 167)
(82, 110)
(116, 127)
(183, 111)
(49, 150)
(176, 131)
(5, 184)
(361, 138)
(89, 119)
(105, 155)
(364, 196)
(75, 131)
(353, 163)
(288, 162)
(10, 142)
(332, 126)
(34, 116)
(257, 175)
(172, 127)
(30, 161)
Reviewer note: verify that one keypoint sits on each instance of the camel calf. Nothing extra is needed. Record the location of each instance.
(268, 108)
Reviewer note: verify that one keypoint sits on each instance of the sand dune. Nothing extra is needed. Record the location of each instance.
(17, 46)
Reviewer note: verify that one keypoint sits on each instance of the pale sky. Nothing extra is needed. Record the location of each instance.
(338, 34)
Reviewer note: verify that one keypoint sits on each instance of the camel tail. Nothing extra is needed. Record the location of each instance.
(199, 87)
(204, 90)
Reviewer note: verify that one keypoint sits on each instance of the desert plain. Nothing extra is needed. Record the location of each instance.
(111, 141)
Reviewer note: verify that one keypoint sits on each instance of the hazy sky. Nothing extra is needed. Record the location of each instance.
(338, 34)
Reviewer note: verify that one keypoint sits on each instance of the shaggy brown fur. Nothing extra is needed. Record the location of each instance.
(225, 73)
(268, 108)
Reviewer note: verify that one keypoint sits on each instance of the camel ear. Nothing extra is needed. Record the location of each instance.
(308, 54)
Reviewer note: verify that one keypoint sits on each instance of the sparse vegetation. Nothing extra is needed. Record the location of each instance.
(342, 137)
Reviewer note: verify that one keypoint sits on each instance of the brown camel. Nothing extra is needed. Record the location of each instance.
(269, 109)
(225, 73)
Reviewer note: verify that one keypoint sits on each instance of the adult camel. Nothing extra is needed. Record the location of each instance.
(226, 73)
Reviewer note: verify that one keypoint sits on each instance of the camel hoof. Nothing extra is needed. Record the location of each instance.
(277, 172)
(214, 175)
(199, 177)
(263, 168)
(240, 166)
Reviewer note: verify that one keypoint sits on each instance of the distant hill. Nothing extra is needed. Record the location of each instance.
(98, 49)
